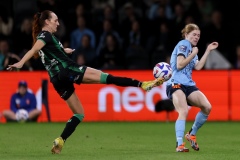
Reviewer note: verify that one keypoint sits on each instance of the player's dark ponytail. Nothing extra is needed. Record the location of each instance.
(38, 23)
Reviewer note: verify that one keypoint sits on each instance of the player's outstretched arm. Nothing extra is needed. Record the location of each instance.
(202, 61)
(37, 46)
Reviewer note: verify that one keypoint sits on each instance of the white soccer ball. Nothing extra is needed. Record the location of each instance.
(162, 70)
(21, 115)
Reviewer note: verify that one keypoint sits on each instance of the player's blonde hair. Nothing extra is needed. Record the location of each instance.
(189, 28)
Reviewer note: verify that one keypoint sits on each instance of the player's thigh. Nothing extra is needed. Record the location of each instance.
(64, 88)
(198, 99)
(179, 101)
(92, 75)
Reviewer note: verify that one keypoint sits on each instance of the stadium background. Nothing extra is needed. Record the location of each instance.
(221, 86)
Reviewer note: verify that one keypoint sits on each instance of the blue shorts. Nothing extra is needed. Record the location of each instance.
(187, 90)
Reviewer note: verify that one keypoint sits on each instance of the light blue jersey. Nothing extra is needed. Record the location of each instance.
(183, 76)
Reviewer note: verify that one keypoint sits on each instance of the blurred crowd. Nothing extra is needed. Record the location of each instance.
(121, 34)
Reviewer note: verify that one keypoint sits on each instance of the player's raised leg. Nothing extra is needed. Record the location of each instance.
(96, 76)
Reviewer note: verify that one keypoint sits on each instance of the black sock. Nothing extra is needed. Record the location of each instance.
(190, 131)
(123, 81)
(70, 127)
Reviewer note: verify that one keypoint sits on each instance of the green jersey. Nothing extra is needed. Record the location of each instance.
(52, 54)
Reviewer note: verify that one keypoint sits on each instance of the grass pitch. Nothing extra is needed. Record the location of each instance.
(117, 141)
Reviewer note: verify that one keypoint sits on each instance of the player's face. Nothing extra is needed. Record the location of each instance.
(193, 37)
(53, 22)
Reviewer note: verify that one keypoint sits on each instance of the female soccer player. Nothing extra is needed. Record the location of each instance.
(182, 89)
(64, 72)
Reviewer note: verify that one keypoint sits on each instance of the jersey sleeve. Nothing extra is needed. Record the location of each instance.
(183, 48)
(13, 106)
(33, 102)
(45, 37)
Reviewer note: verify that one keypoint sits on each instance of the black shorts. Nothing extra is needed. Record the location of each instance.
(64, 81)
(187, 90)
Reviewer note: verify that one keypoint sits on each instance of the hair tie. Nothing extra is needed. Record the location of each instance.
(39, 14)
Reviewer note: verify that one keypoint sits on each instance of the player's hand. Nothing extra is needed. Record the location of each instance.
(195, 50)
(69, 50)
(212, 46)
(15, 65)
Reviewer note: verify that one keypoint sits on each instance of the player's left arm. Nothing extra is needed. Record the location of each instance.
(199, 64)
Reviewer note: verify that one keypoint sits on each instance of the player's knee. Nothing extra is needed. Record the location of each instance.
(209, 108)
(6, 113)
(104, 77)
(79, 116)
(183, 112)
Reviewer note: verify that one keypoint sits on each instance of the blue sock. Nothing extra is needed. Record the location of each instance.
(200, 119)
(179, 129)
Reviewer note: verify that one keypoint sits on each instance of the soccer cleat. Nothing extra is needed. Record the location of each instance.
(182, 148)
(57, 145)
(148, 85)
(193, 141)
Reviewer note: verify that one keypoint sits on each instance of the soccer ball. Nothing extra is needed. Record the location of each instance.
(21, 115)
(162, 70)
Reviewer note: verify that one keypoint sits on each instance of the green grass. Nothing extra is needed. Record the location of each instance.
(117, 141)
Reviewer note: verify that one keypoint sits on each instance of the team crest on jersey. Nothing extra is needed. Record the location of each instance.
(27, 101)
(182, 48)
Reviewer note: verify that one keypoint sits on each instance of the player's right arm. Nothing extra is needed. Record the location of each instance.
(183, 61)
(185, 53)
(36, 47)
